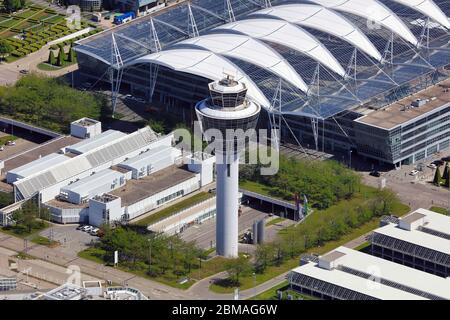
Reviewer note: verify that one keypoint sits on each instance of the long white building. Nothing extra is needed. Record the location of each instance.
(420, 240)
(346, 274)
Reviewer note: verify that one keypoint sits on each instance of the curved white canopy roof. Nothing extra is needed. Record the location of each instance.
(204, 64)
(325, 20)
(288, 35)
(374, 11)
(428, 8)
(252, 51)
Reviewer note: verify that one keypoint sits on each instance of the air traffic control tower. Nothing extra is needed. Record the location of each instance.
(222, 116)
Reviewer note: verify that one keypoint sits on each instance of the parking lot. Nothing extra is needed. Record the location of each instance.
(72, 240)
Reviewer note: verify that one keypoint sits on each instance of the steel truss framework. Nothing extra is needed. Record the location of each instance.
(366, 79)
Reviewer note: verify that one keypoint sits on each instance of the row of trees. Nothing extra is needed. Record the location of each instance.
(328, 225)
(5, 48)
(324, 182)
(444, 179)
(48, 102)
(157, 255)
(62, 58)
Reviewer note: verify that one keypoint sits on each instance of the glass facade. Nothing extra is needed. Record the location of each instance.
(409, 142)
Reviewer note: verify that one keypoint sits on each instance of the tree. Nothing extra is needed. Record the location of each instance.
(445, 174)
(437, 181)
(51, 58)
(61, 57)
(13, 5)
(237, 267)
(263, 256)
(5, 48)
(447, 181)
(26, 217)
(72, 56)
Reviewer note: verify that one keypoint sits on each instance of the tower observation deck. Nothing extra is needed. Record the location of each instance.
(225, 117)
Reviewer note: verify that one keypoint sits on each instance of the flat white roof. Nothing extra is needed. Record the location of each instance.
(352, 282)
(95, 142)
(434, 221)
(154, 155)
(39, 165)
(83, 186)
(381, 269)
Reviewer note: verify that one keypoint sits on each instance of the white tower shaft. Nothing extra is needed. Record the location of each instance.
(227, 205)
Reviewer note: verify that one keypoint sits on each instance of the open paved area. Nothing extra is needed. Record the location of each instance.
(205, 234)
(71, 240)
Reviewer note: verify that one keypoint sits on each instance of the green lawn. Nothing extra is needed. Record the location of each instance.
(169, 211)
(257, 188)
(44, 66)
(22, 233)
(441, 210)
(274, 221)
(5, 139)
(43, 241)
(209, 268)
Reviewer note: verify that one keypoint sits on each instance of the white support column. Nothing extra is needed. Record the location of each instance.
(192, 25)
(227, 229)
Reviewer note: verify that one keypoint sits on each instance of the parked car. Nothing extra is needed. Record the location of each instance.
(446, 159)
(81, 226)
(1, 148)
(439, 163)
(11, 143)
(87, 228)
(94, 231)
(413, 172)
(432, 166)
(23, 71)
(375, 174)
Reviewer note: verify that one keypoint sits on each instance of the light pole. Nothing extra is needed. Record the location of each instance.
(150, 252)
(254, 285)
(350, 158)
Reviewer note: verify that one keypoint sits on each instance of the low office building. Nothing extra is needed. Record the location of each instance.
(35, 167)
(346, 274)
(419, 240)
(151, 161)
(67, 291)
(144, 195)
(99, 183)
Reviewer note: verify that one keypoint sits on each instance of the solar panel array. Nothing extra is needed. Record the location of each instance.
(326, 288)
(411, 249)
(389, 283)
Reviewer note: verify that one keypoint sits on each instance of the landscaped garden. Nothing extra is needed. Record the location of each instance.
(30, 29)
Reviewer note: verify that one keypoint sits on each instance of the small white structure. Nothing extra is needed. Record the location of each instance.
(203, 164)
(104, 209)
(85, 128)
(35, 167)
(99, 183)
(151, 161)
(67, 291)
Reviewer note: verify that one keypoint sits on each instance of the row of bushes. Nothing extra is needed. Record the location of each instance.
(31, 44)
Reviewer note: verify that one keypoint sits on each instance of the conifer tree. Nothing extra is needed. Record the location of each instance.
(51, 58)
(437, 177)
(445, 174)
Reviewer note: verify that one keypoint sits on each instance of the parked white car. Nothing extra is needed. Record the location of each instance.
(413, 172)
(94, 231)
(87, 228)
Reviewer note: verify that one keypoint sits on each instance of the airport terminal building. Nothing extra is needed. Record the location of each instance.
(329, 77)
